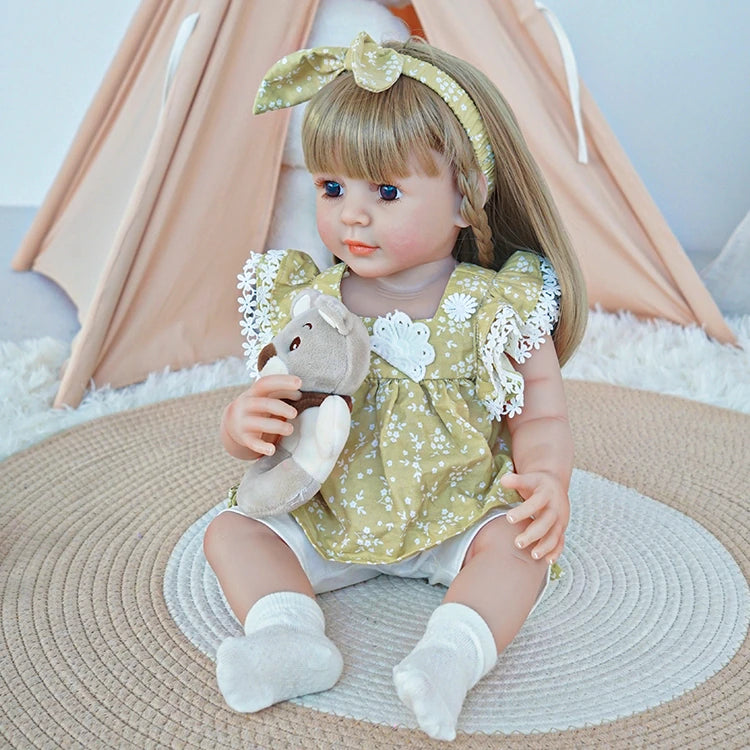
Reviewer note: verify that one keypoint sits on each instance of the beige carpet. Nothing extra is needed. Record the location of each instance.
(91, 656)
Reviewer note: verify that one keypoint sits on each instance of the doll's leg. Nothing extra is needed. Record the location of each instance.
(498, 581)
(284, 652)
(251, 560)
(484, 608)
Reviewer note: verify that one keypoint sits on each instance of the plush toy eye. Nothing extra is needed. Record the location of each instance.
(295, 343)
(308, 325)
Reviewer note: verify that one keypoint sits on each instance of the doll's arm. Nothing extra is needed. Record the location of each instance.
(253, 422)
(542, 451)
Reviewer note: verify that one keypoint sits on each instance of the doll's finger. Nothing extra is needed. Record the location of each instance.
(535, 531)
(265, 443)
(277, 394)
(256, 428)
(524, 484)
(554, 556)
(548, 546)
(259, 445)
(527, 509)
(273, 406)
(538, 528)
(278, 380)
(286, 395)
(267, 385)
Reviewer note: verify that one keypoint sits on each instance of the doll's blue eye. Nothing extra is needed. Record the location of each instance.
(389, 192)
(332, 189)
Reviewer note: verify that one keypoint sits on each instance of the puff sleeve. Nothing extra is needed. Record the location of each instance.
(267, 284)
(521, 310)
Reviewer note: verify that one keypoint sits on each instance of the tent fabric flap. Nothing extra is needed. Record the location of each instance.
(161, 198)
(200, 192)
(631, 259)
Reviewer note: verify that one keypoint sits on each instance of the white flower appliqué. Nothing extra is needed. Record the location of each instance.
(255, 283)
(403, 344)
(459, 307)
(510, 334)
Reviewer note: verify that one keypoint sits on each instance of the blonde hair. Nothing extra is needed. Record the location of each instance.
(374, 135)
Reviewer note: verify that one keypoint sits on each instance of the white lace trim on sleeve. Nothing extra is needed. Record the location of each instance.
(255, 284)
(510, 334)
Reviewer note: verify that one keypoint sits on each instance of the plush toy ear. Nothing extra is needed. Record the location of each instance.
(303, 301)
(335, 314)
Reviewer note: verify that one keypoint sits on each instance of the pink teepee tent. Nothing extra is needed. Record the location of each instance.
(170, 181)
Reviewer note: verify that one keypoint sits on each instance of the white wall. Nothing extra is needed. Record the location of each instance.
(53, 55)
(673, 80)
(671, 76)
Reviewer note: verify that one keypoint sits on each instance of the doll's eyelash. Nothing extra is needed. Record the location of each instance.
(387, 185)
(323, 182)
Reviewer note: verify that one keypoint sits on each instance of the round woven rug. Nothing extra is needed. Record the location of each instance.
(99, 522)
(649, 606)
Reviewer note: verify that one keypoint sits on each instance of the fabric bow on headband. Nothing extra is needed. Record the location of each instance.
(297, 77)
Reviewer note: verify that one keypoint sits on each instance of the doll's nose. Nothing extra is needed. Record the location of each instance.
(354, 212)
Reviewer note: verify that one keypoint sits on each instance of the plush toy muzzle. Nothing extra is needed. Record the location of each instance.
(266, 353)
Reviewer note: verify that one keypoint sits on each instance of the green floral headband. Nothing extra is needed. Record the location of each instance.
(296, 77)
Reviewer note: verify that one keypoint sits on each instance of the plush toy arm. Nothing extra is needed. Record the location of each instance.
(321, 442)
(274, 484)
(332, 430)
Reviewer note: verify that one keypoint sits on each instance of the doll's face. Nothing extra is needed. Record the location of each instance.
(381, 229)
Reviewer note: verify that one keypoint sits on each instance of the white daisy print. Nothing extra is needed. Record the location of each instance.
(459, 307)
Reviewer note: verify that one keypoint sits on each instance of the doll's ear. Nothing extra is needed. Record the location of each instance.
(460, 221)
(483, 187)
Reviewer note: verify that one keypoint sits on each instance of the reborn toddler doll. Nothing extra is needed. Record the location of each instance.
(457, 465)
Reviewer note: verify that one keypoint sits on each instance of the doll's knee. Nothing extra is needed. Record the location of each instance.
(497, 539)
(495, 535)
(227, 530)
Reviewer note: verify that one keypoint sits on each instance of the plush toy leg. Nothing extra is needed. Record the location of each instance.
(455, 652)
(275, 484)
(302, 462)
(283, 654)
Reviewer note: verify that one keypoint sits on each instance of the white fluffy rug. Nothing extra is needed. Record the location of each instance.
(619, 349)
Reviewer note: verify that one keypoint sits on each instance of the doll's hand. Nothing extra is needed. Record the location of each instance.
(255, 421)
(546, 503)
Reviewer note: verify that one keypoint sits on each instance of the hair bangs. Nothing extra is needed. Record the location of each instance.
(374, 136)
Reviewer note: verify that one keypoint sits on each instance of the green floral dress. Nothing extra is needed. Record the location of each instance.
(428, 440)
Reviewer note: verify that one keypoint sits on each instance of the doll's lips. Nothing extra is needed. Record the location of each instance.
(359, 248)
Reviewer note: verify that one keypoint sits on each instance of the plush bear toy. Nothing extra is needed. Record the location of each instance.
(328, 347)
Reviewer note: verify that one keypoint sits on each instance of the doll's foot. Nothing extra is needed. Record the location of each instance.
(456, 651)
(273, 666)
(284, 654)
(423, 688)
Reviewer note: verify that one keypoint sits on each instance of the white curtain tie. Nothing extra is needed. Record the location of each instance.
(571, 74)
(183, 34)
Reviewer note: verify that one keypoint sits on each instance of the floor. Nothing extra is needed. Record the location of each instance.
(32, 306)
